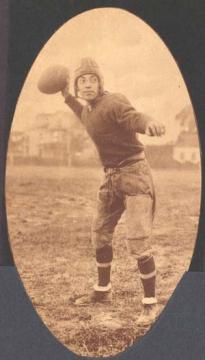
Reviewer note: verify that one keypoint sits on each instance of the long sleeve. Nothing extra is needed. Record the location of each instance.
(75, 105)
(126, 115)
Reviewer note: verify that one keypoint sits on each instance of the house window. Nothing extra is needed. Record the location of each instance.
(56, 136)
(182, 156)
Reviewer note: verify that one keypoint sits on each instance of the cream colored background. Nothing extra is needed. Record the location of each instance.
(133, 58)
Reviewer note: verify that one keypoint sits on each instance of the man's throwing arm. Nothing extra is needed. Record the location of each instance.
(74, 104)
(71, 101)
(126, 114)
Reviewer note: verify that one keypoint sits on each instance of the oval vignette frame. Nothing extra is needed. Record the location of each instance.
(197, 254)
(150, 84)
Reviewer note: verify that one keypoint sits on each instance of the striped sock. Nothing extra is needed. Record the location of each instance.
(147, 271)
(104, 257)
(104, 270)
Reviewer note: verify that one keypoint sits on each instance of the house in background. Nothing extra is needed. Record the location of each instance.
(186, 119)
(18, 146)
(53, 139)
(58, 139)
(50, 139)
(54, 147)
(186, 148)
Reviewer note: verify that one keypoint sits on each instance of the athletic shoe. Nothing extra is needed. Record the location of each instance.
(94, 297)
(148, 315)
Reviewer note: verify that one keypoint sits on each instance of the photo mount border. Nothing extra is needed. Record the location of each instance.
(180, 26)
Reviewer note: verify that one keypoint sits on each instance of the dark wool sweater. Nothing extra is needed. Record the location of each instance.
(112, 123)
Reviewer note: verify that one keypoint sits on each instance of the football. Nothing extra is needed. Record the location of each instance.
(53, 79)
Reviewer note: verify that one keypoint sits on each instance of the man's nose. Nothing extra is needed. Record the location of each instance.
(87, 84)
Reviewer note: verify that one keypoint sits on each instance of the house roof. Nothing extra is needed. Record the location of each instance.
(185, 112)
(186, 139)
(186, 118)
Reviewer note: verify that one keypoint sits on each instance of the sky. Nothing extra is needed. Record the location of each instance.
(132, 57)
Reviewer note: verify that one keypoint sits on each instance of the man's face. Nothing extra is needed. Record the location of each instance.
(88, 86)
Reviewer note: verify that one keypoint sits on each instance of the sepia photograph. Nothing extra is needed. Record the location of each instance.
(103, 181)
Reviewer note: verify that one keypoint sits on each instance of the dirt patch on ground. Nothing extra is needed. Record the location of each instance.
(49, 213)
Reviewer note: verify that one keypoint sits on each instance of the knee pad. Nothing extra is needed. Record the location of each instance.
(145, 255)
(139, 248)
(99, 239)
(104, 254)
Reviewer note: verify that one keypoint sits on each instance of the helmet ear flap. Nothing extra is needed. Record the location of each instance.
(101, 85)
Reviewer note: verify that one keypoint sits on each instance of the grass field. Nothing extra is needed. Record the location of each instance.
(49, 213)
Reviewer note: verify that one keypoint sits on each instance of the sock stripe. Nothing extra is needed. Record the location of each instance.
(148, 276)
(103, 265)
(149, 300)
(102, 288)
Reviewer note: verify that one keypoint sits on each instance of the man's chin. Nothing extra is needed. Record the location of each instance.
(90, 97)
